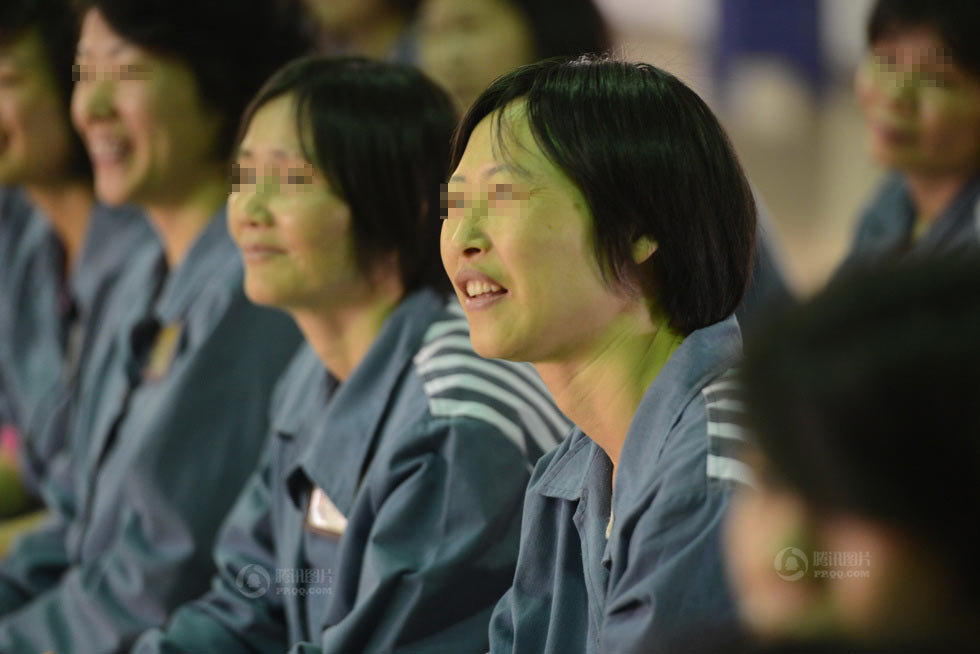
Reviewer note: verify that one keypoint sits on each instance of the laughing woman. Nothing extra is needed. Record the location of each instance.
(61, 251)
(169, 418)
(609, 249)
(390, 493)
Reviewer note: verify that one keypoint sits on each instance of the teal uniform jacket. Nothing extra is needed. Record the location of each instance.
(47, 321)
(657, 581)
(885, 227)
(386, 514)
(169, 423)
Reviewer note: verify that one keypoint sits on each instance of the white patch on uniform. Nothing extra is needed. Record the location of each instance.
(323, 515)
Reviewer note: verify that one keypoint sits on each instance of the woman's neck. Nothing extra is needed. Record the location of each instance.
(179, 222)
(68, 207)
(932, 194)
(601, 387)
(342, 336)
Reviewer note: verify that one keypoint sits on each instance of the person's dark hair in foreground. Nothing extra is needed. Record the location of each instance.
(864, 405)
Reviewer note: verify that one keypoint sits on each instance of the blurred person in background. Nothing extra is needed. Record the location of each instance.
(466, 44)
(919, 89)
(170, 413)
(391, 488)
(863, 406)
(379, 29)
(61, 251)
(611, 255)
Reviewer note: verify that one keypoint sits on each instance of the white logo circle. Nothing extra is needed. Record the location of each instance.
(253, 580)
(791, 563)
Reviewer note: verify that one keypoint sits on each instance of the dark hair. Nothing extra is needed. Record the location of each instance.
(380, 134)
(57, 26)
(564, 28)
(231, 46)
(866, 400)
(955, 21)
(650, 159)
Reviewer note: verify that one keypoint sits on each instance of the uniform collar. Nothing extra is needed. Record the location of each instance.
(702, 356)
(347, 429)
(212, 256)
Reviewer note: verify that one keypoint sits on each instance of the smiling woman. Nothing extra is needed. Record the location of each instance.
(397, 457)
(598, 225)
(173, 381)
(919, 89)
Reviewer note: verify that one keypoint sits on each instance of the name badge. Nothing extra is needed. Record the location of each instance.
(323, 516)
(163, 353)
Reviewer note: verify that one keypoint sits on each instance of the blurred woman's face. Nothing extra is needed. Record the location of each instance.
(517, 244)
(466, 44)
(35, 135)
(147, 130)
(922, 109)
(293, 231)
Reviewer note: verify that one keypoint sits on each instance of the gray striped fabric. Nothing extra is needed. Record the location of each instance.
(509, 396)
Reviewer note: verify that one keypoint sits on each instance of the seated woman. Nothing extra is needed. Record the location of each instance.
(174, 380)
(919, 89)
(598, 225)
(863, 404)
(466, 44)
(386, 513)
(61, 251)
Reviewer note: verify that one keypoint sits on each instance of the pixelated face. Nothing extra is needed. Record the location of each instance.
(517, 244)
(147, 131)
(922, 110)
(293, 231)
(35, 135)
(466, 44)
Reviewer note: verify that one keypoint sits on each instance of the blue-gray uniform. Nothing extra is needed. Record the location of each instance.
(886, 225)
(170, 421)
(386, 515)
(767, 289)
(659, 575)
(44, 318)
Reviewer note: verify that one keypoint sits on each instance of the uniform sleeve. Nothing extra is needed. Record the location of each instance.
(441, 549)
(39, 558)
(241, 612)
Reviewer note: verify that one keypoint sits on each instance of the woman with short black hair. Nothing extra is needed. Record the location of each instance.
(175, 381)
(397, 459)
(599, 226)
(919, 89)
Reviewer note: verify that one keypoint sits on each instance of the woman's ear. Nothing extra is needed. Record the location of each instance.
(643, 248)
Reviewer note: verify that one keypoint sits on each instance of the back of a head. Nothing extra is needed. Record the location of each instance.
(651, 160)
(954, 21)
(380, 133)
(864, 400)
(231, 46)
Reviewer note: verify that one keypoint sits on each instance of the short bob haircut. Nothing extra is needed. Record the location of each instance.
(651, 160)
(379, 132)
(955, 21)
(564, 28)
(864, 400)
(231, 46)
(57, 26)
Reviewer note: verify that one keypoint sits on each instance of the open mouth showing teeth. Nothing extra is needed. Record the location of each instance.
(478, 288)
(108, 151)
